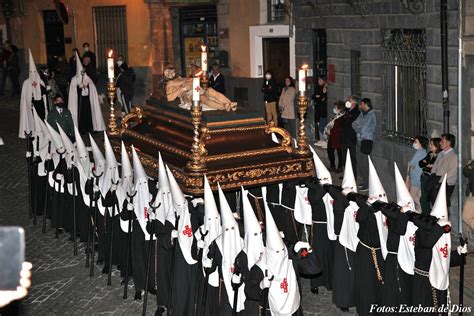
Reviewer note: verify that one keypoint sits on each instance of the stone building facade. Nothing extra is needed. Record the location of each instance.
(360, 27)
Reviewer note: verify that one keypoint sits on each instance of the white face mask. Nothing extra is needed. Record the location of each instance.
(268, 77)
(119, 63)
(86, 49)
(348, 104)
(335, 111)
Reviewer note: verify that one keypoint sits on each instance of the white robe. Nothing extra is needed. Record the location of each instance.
(97, 118)
(26, 114)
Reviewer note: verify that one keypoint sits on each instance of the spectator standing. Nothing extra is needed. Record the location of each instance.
(61, 115)
(426, 164)
(413, 181)
(61, 76)
(13, 67)
(333, 130)
(348, 136)
(90, 54)
(90, 69)
(270, 96)
(125, 78)
(364, 126)
(287, 106)
(446, 163)
(6, 51)
(72, 65)
(320, 110)
(217, 80)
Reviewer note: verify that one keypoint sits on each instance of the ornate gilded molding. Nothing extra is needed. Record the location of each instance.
(136, 114)
(415, 7)
(286, 143)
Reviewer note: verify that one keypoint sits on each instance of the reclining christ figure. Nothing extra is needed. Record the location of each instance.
(182, 88)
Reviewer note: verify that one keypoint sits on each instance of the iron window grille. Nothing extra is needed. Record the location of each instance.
(276, 10)
(355, 73)
(404, 84)
(110, 32)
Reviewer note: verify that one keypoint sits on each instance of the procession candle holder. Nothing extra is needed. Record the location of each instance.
(197, 161)
(111, 90)
(302, 141)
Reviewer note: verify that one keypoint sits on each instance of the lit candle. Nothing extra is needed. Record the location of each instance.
(204, 58)
(197, 86)
(110, 65)
(302, 78)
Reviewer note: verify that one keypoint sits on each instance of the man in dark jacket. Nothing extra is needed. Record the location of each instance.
(270, 96)
(348, 136)
(61, 115)
(125, 77)
(217, 80)
(90, 54)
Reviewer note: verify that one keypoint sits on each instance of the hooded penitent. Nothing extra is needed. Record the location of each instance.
(253, 242)
(40, 142)
(231, 244)
(377, 192)
(211, 227)
(406, 246)
(70, 156)
(126, 184)
(164, 195)
(185, 229)
(58, 149)
(81, 79)
(111, 173)
(142, 198)
(441, 252)
(98, 169)
(283, 294)
(324, 177)
(83, 164)
(31, 90)
(349, 229)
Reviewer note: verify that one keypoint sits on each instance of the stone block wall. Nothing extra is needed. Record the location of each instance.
(347, 29)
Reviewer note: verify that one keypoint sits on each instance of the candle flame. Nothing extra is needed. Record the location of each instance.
(304, 67)
(198, 74)
(204, 48)
(111, 53)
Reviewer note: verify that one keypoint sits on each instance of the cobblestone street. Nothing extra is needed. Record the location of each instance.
(61, 284)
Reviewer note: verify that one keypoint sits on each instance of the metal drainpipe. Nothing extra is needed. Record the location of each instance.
(460, 127)
(444, 63)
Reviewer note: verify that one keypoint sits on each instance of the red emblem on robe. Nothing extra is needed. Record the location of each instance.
(444, 250)
(284, 286)
(187, 231)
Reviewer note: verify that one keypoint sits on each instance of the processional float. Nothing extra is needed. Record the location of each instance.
(233, 149)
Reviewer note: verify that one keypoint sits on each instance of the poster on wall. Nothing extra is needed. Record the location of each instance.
(192, 52)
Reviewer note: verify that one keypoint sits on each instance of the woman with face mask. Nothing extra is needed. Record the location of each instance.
(287, 106)
(413, 181)
(270, 96)
(426, 164)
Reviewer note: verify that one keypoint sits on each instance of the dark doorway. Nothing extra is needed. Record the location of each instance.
(276, 57)
(320, 65)
(54, 35)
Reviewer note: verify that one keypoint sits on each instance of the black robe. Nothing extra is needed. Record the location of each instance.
(322, 246)
(426, 236)
(398, 285)
(343, 281)
(368, 287)
(84, 112)
(59, 202)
